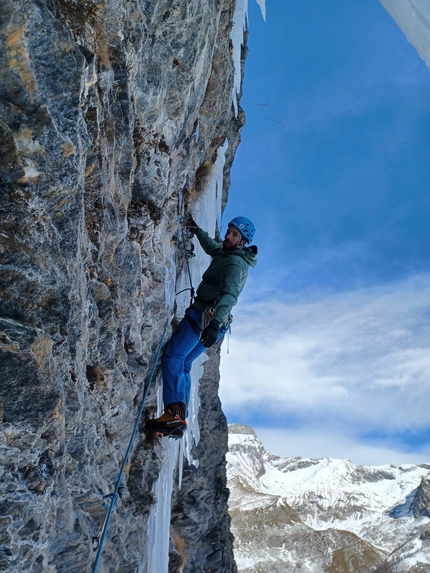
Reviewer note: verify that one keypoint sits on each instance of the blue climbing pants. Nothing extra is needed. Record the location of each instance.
(178, 357)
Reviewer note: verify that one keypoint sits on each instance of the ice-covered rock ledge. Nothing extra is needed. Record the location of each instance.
(112, 116)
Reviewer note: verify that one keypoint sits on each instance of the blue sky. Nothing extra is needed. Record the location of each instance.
(339, 195)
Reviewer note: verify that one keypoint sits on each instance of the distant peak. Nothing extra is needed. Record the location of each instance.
(240, 429)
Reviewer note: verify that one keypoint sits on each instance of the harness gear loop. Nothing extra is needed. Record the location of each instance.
(100, 538)
(210, 311)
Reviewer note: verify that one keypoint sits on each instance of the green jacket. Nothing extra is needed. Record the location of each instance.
(225, 277)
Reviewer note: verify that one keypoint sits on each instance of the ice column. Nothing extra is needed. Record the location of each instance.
(413, 18)
(240, 19)
(159, 519)
(208, 215)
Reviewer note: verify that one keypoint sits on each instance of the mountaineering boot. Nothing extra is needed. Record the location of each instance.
(171, 424)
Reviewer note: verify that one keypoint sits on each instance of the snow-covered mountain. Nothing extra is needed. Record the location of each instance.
(325, 515)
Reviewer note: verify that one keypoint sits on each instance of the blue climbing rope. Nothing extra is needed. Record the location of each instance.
(100, 538)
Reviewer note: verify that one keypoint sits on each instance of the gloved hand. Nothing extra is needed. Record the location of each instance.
(190, 224)
(210, 334)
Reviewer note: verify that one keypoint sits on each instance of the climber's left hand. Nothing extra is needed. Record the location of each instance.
(210, 334)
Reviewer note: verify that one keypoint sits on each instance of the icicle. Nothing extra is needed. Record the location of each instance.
(262, 4)
(208, 213)
(236, 35)
(197, 132)
(240, 23)
(192, 435)
(181, 463)
(219, 169)
(159, 519)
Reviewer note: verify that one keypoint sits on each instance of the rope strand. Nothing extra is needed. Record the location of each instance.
(99, 539)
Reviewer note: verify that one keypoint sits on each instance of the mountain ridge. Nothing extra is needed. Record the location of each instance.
(368, 516)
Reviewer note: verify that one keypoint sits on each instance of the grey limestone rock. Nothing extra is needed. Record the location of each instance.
(108, 111)
(421, 502)
(200, 525)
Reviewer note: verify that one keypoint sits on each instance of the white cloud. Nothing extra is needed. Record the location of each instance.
(359, 359)
(310, 444)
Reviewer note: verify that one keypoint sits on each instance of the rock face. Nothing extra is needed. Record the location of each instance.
(421, 503)
(112, 114)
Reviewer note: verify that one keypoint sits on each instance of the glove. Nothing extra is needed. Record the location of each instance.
(210, 334)
(190, 224)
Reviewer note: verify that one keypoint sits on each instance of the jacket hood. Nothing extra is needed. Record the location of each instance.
(247, 253)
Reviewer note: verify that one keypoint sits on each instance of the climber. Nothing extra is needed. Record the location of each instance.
(206, 320)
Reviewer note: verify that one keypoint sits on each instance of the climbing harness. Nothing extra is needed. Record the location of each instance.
(99, 539)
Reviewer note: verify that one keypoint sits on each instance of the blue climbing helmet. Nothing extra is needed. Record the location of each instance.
(245, 226)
